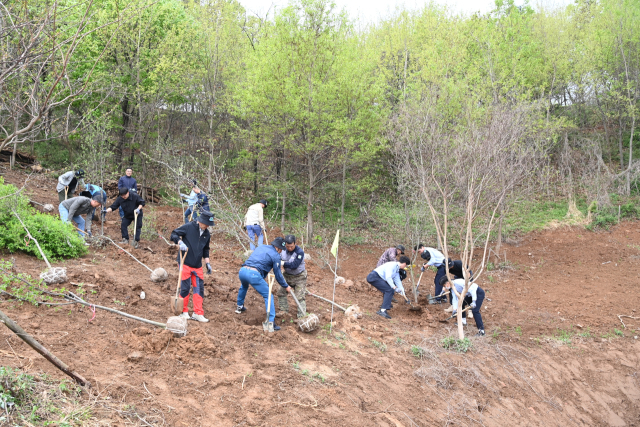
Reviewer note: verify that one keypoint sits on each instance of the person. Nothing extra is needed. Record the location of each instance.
(197, 201)
(131, 204)
(128, 182)
(91, 190)
(474, 298)
(434, 258)
(254, 222)
(455, 269)
(263, 259)
(386, 279)
(69, 181)
(195, 237)
(295, 273)
(390, 255)
(76, 206)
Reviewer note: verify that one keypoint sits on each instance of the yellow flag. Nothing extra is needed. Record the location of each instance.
(334, 247)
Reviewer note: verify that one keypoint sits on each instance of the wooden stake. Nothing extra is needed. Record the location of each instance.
(24, 336)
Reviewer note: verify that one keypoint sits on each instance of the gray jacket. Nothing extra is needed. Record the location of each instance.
(65, 179)
(80, 206)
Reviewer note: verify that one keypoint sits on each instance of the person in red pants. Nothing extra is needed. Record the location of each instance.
(195, 237)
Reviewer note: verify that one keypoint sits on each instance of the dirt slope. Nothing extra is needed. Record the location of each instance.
(535, 367)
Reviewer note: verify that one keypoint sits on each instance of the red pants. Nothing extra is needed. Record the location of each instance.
(197, 281)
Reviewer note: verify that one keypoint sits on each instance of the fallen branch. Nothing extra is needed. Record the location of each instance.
(620, 316)
(24, 336)
(31, 237)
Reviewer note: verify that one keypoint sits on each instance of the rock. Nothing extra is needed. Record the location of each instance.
(143, 296)
(136, 356)
(339, 280)
(348, 284)
(34, 325)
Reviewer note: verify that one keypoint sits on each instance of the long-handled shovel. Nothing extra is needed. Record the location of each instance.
(432, 298)
(453, 315)
(177, 302)
(327, 300)
(266, 325)
(415, 291)
(135, 225)
(266, 239)
(308, 323)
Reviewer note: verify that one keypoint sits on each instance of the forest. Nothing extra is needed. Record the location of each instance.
(336, 123)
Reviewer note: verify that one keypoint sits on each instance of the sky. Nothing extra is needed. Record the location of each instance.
(369, 11)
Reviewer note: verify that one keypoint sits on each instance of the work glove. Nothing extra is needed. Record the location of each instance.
(88, 233)
(183, 195)
(137, 211)
(183, 247)
(472, 305)
(423, 268)
(208, 268)
(398, 290)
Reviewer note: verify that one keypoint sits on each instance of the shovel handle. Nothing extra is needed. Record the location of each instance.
(454, 315)
(441, 295)
(296, 300)
(182, 257)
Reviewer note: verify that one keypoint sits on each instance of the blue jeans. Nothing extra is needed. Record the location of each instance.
(253, 231)
(64, 216)
(253, 278)
(187, 213)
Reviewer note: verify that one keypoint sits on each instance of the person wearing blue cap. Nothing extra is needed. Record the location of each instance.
(263, 259)
(195, 237)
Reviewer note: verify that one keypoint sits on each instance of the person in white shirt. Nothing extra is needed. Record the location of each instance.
(254, 223)
(386, 279)
(436, 259)
(474, 297)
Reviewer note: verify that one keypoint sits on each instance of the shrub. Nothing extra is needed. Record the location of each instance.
(58, 240)
(459, 345)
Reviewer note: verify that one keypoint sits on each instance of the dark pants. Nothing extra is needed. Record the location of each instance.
(187, 213)
(442, 271)
(476, 311)
(125, 224)
(380, 284)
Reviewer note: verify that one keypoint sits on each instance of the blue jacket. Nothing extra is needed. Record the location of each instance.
(293, 262)
(128, 182)
(265, 258)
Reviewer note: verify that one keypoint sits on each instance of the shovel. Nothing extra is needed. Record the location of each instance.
(327, 300)
(177, 302)
(135, 225)
(308, 323)
(453, 315)
(266, 325)
(266, 239)
(413, 307)
(431, 299)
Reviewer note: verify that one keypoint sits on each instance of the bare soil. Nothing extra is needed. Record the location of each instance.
(550, 357)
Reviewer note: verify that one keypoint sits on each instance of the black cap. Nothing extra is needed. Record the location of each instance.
(264, 202)
(426, 255)
(80, 173)
(289, 238)
(401, 249)
(195, 183)
(206, 217)
(403, 274)
(278, 242)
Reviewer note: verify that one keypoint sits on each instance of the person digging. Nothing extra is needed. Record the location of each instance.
(131, 205)
(474, 298)
(253, 272)
(386, 279)
(434, 258)
(455, 269)
(195, 237)
(295, 273)
(71, 209)
(390, 255)
(67, 184)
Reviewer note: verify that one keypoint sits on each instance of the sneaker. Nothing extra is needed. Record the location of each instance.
(449, 310)
(199, 318)
(135, 244)
(240, 309)
(276, 327)
(480, 333)
(185, 315)
(383, 314)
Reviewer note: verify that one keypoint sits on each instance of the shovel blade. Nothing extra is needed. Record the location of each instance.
(177, 305)
(267, 326)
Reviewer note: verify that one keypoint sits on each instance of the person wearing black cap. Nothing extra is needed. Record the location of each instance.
(434, 258)
(131, 205)
(474, 297)
(263, 259)
(194, 236)
(254, 222)
(390, 255)
(73, 208)
(295, 273)
(69, 181)
(386, 278)
(455, 269)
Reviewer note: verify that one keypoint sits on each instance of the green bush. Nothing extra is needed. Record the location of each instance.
(455, 344)
(58, 240)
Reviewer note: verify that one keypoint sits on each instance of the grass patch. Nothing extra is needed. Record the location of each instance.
(455, 344)
(379, 345)
(417, 351)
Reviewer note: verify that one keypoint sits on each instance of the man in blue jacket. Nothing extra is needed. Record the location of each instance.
(295, 273)
(128, 182)
(386, 279)
(263, 259)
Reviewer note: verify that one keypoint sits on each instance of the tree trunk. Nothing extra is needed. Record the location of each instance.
(310, 201)
(499, 242)
(620, 149)
(124, 105)
(344, 192)
(282, 214)
(255, 176)
(633, 128)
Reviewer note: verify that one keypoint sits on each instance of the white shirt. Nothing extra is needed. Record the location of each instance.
(437, 259)
(254, 215)
(459, 284)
